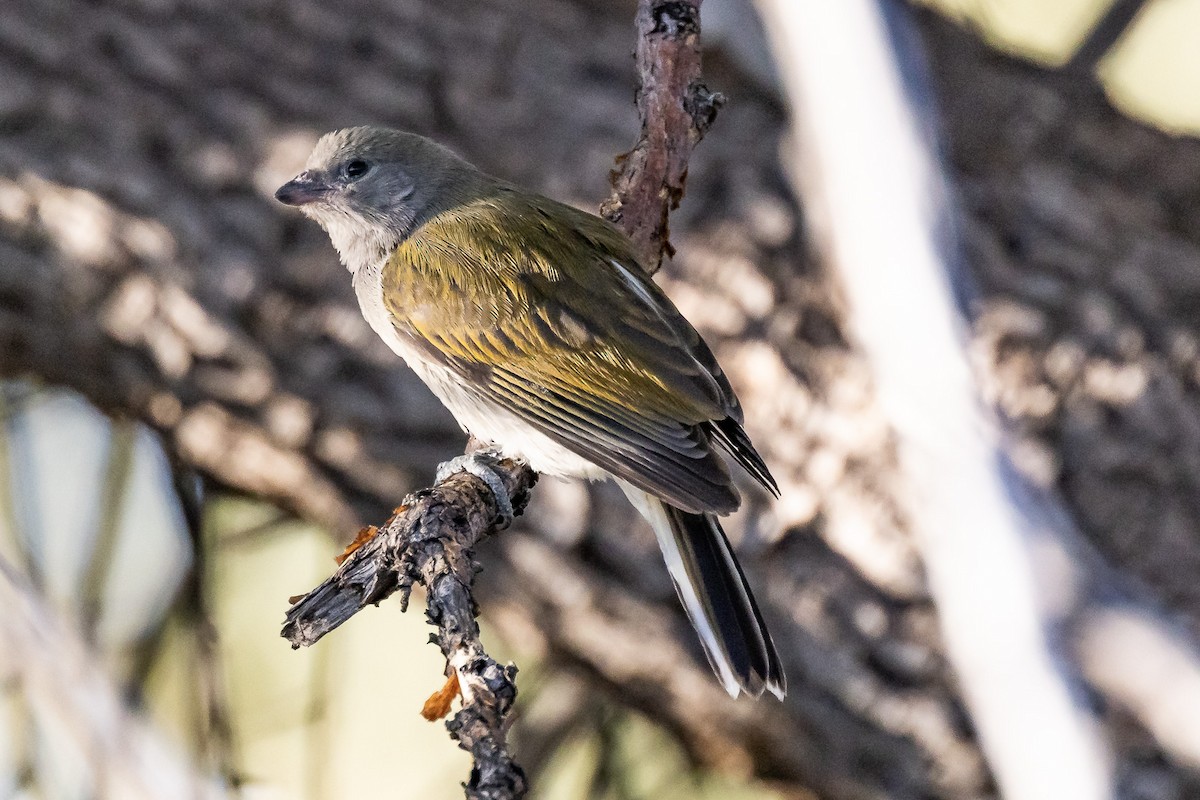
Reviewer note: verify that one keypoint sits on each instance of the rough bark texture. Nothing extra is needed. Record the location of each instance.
(1085, 225)
(676, 110)
(143, 263)
(431, 540)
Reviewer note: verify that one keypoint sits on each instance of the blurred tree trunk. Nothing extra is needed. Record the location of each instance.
(143, 263)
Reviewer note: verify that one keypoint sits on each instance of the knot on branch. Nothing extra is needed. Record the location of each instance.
(489, 692)
(493, 689)
(675, 18)
(677, 110)
(702, 105)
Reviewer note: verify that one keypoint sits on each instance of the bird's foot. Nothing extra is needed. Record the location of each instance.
(480, 465)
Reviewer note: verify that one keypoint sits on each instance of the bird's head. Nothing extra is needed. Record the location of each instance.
(369, 188)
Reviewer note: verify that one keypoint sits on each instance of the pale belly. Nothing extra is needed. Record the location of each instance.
(486, 421)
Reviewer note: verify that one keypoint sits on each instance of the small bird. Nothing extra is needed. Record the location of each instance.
(541, 332)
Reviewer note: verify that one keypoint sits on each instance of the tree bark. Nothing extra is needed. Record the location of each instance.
(431, 540)
(143, 263)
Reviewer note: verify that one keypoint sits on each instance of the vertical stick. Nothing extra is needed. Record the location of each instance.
(872, 184)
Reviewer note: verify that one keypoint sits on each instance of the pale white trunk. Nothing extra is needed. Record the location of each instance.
(878, 210)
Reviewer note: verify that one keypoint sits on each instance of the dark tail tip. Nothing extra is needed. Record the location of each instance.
(730, 625)
(732, 438)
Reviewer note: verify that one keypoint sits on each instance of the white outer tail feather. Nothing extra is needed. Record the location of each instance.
(651, 508)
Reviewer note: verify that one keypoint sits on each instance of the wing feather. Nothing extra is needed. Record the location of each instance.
(575, 340)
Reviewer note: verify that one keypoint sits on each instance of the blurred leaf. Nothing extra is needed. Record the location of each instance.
(1152, 73)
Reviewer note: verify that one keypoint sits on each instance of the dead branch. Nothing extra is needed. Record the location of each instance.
(676, 110)
(430, 540)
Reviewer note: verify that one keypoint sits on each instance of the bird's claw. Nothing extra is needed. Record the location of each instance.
(480, 465)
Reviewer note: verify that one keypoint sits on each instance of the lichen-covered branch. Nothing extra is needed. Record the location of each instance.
(430, 540)
(676, 110)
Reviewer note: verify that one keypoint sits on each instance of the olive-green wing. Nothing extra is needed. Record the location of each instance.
(570, 336)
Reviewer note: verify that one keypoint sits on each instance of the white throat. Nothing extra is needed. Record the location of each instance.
(359, 244)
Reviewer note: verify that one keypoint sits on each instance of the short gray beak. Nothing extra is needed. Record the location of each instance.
(302, 190)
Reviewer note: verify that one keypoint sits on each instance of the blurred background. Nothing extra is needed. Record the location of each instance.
(196, 419)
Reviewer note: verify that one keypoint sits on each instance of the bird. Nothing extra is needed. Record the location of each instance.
(538, 327)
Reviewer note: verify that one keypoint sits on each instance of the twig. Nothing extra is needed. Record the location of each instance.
(1141, 661)
(1106, 32)
(122, 442)
(676, 110)
(430, 540)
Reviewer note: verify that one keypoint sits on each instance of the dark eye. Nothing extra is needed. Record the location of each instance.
(356, 169)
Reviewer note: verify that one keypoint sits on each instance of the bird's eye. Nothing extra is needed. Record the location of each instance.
(356, 169)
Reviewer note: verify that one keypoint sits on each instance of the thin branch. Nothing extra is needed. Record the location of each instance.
(430, 540)
(1144, 663)
(1106, 32)
(676, 110)
(122, 441)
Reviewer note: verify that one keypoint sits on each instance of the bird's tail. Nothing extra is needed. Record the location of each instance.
(715, 594)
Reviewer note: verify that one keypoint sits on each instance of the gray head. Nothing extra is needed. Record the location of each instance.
(369, 188)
